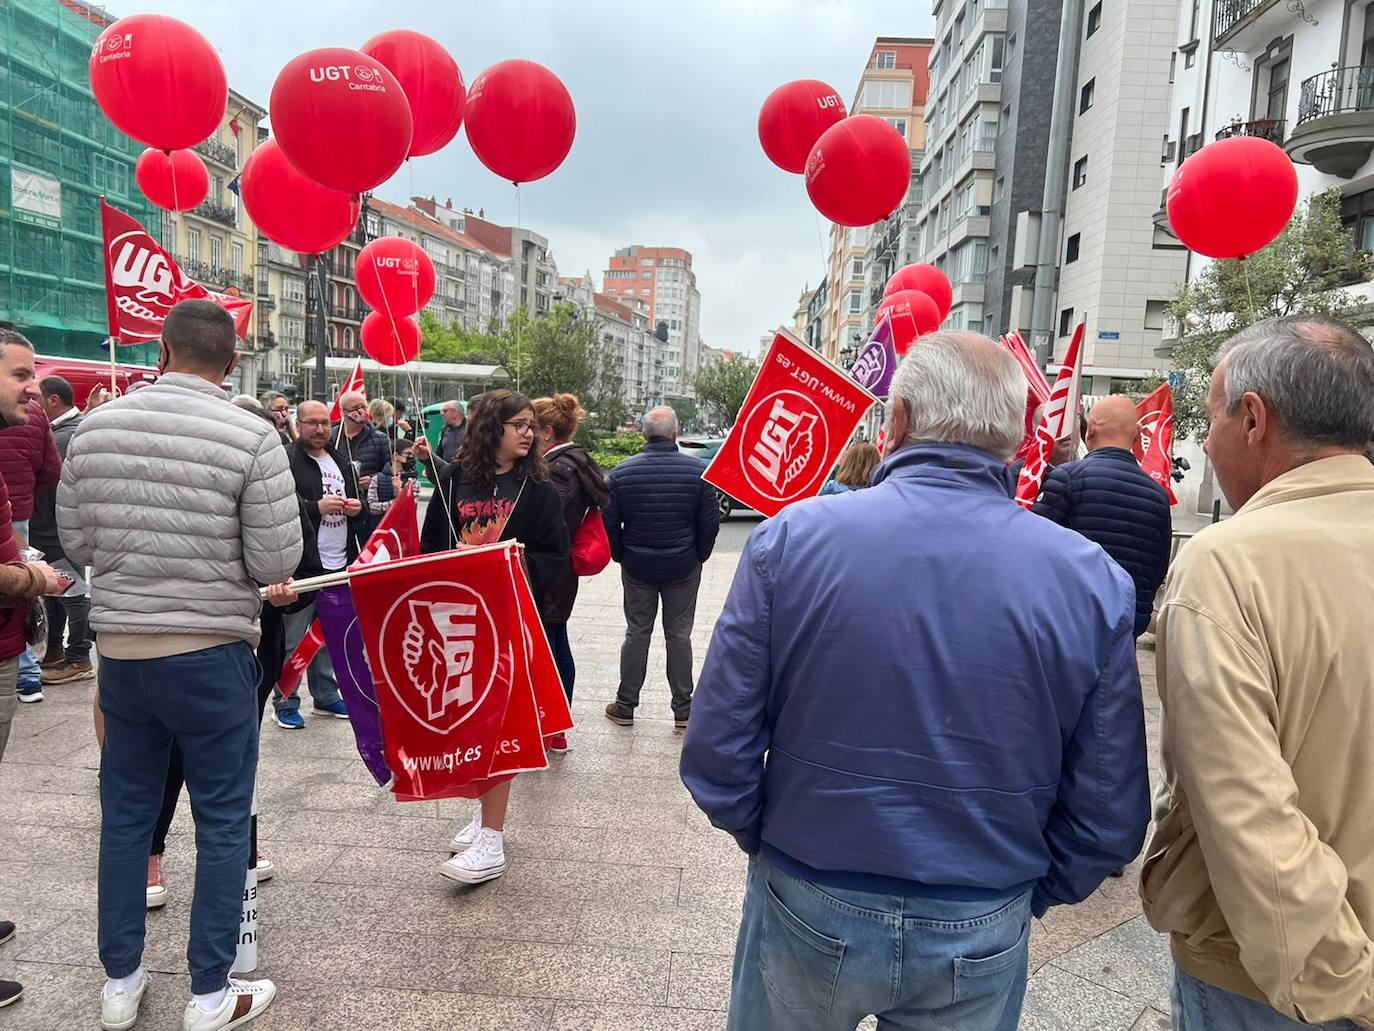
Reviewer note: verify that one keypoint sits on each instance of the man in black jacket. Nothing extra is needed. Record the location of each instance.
(662, 521)
(328, 488)
(450, 439)
(1110, 500)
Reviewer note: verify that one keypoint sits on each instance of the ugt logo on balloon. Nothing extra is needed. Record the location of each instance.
(783, 445)
(439, 653)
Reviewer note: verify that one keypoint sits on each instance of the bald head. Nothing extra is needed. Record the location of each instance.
(1113, 422)
(312, 421)
(660, 423)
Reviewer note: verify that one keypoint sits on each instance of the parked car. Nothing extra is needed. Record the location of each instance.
(704, 449)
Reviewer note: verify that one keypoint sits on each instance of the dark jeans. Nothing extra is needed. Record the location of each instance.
(1199, 1006)
(72, 615)
(679, 613)
(205, 701)
(562, 655)
(319, 675)
(271, 658)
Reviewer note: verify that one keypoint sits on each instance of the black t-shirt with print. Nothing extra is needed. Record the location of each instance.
(480, 513)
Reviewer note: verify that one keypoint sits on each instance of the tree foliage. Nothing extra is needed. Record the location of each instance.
(1300, 273)
(561, 351)
(722, 387)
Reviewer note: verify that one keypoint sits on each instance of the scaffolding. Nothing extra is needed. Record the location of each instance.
(52, 133)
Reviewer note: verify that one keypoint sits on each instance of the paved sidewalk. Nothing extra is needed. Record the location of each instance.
(618, 911)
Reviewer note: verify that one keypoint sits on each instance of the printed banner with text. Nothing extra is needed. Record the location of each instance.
(791, 430)
(1155, 448)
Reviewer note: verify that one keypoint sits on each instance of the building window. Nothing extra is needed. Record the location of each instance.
(886, 94)
(897, 123)
(1085, 96)
(1071, 248)
(856, 269)
(1065, 321)
(885, 59)
(1154, 314)
(193, 244)
(1080, 171)
(109, 176)
(1193, 20)
(1173, 65)
(856, 300)
(1190, 58)
(998, 188)
(236, 258)
(1095, 18)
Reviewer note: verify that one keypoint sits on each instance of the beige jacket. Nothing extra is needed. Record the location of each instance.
(1261, 865)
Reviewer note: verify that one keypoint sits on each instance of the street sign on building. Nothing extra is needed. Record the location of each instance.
(35, 198)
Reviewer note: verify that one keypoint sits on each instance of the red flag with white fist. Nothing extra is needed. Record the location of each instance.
(457, 670)
(793, 427)
(1155, 448)
(1057, 422)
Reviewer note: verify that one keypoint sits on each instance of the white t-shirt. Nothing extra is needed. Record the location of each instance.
(333, 535)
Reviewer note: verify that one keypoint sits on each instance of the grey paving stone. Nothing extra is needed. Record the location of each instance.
(700, 981)
(588, 1016)
(688, 929)
(564, 879)
(1131, 959)
(1057, 1000)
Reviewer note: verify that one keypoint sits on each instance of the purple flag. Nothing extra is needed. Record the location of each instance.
(334, 609)
(877, 362)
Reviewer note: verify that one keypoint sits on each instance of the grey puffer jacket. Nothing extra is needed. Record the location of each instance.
(181, 504)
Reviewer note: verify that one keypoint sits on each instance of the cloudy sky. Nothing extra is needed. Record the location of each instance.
(667, 97)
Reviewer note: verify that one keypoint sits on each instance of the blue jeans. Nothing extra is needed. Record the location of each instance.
(814, 958)
(30, 670)
(319, 676)
(1199, 1006)
(562, 655)
(206, 701)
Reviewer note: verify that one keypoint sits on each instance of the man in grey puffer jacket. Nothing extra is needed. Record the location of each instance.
(181, 504)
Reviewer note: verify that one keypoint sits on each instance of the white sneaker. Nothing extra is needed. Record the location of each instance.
(119, 1009)
(244, 1001)
(264, 869)
(157, 896)
(462, 841)
(485, 860)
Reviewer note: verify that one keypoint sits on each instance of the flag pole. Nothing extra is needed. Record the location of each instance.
(343, 576)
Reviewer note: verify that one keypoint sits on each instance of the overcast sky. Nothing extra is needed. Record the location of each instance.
(667, 97)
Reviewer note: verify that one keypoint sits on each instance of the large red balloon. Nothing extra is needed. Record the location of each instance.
(431, 81)
(177, 181)
(912, 314)
(1232, 197)
(793, 118)
(289, 209)
(929, 280)
(521, 120)
(159, 80)
(391, 340)
(858, 171)
(395, 275)
(341, 118)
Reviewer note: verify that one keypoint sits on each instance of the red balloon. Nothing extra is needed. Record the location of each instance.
(159, 81)
(289, 209)
(929, 280)
(1232, 197)
(912, 314)
(431, 81)
(395, 275)
(793, 118)
(177, 181)
(521, 120)
(341, 118)
(858, 171)
(392, 340)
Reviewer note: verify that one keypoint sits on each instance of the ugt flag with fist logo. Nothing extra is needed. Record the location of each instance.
(791, 430)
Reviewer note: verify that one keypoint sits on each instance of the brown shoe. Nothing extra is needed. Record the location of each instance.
(53, 658)
(620, 716)
(69, 672)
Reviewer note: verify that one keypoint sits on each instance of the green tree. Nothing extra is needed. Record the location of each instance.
(1301, 273)
(686, 410)
(724, 386)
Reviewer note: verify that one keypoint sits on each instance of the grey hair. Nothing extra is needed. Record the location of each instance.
(1316, 374)
(11, 336)
(272, 395)
(660, 422)
(249, 403)
(962, 388)
(452, 404)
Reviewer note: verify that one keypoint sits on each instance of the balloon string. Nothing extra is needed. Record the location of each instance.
(825, 256)
(519, 331)
(1245, 273)
(176, 201)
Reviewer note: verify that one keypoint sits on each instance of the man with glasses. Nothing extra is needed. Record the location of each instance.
(359, 441)
(328, 487)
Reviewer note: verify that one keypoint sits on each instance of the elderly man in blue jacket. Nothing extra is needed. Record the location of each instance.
(920, 715)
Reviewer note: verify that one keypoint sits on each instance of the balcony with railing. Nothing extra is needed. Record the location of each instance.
(1335, 127)
(222, 213)
(216, 151)
(347, 313)
(1270, 129)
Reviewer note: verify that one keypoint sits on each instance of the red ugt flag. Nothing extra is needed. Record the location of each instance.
(1037, 391)
(1056, 422)
(1155, 448)
(352, 385)
(143, 283)
(793, 426)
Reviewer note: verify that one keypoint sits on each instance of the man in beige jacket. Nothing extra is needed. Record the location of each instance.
(1261, 866)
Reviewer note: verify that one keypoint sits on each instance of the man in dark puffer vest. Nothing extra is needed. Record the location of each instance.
(1110, 500)
(662, 523)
